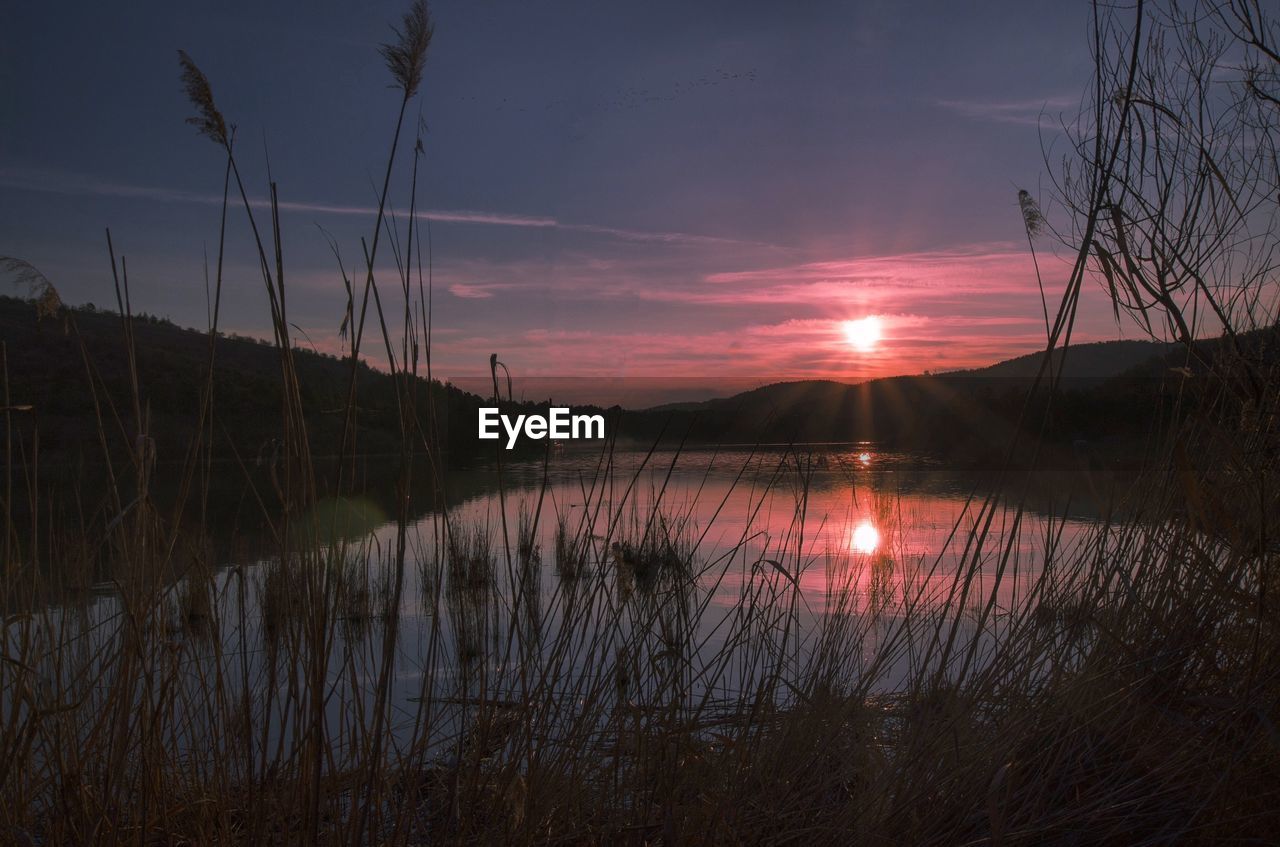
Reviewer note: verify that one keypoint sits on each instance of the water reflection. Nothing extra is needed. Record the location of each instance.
(899, 521)
(642, 571)
(866, 538)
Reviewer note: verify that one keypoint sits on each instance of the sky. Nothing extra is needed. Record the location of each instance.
(683, 193)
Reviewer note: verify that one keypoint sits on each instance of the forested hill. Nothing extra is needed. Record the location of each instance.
(1111, 393)
(50, 373)
(1081, 365)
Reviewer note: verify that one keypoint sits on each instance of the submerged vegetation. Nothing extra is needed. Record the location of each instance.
(435, 681)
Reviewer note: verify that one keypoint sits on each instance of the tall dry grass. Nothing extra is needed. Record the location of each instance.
(1128, 694)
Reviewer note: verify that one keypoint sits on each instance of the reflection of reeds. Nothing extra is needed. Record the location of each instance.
(360, 598)
(528, 549)
(570, 553)
(529, 574)
(470, 575)
(196, 611)
(280, 600)
(469, 563)
(658, 553)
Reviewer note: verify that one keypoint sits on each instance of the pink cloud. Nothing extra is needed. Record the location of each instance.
(470, 292)
(788, 349)
(700, 318)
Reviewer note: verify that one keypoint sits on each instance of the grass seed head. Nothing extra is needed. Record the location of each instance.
(208, 119)
(407, 55)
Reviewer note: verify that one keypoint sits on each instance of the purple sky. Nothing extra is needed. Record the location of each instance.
(665, 190)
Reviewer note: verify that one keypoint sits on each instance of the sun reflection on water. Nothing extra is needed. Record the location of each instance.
(866, 538)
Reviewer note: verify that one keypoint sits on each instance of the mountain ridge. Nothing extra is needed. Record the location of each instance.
(1087, 364)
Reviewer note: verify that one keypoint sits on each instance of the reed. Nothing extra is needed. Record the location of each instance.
(1125, 693)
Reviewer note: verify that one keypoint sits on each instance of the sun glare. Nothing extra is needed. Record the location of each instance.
(864, 333)
(866, 538)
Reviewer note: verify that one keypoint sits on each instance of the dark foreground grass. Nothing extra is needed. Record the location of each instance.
(1128, 694)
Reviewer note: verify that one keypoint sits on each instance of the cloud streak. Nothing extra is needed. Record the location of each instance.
(75, 185)
(1023, 112)
(980, 273)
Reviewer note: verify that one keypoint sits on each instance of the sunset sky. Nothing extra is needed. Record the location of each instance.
(660, 189)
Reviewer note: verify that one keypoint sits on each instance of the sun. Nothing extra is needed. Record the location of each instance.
(863, 334)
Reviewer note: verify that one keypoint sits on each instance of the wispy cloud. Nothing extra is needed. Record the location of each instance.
(1031, 112)
(58, 182)
(982, 273)
(471, 292)
(793, 348)
(940, 310)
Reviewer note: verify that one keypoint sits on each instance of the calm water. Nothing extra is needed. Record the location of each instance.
(848, 533)
(831, 515)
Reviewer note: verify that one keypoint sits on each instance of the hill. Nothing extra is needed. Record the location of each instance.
(1085, 364)
(50, 372)
(72, 369)
(1109, 392)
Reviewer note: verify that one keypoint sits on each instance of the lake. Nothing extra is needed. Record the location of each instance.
(625, 576)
